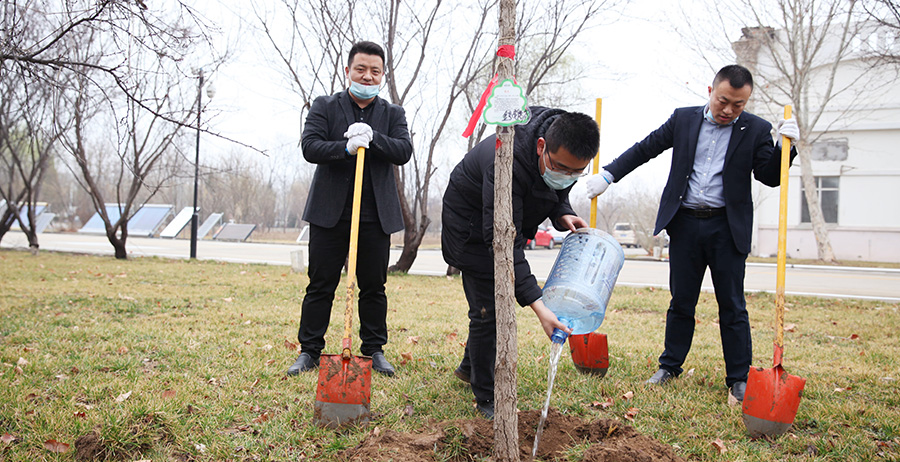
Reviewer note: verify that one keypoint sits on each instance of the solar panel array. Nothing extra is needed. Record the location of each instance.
(144, 222)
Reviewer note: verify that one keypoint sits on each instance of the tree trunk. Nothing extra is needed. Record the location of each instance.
(506, 421)
(412, 239)
(823, 243)
(118, 243)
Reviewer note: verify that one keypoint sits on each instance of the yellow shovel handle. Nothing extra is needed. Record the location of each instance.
(782, 243)
(596, 168)
(354, 244)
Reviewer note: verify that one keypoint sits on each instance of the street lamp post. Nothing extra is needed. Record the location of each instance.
(195, 218)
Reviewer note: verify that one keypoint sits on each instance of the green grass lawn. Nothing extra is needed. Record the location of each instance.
(184, 360)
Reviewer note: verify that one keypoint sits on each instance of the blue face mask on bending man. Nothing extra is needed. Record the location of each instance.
(556, 180)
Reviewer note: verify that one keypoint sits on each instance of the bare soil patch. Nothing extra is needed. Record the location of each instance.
(603, 440)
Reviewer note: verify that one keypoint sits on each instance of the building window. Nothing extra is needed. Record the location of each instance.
(827, 188)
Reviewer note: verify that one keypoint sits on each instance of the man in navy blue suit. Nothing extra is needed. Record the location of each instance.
(707, 210)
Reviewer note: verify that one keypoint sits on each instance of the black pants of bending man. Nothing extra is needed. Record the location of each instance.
(328, 248)
(695, 244)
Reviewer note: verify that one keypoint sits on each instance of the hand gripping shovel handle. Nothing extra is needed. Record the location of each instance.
(782, 245)
(354, 245)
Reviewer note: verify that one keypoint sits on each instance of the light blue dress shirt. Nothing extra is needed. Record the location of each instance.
(705, 188)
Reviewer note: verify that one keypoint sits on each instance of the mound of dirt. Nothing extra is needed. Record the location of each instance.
(462, 440)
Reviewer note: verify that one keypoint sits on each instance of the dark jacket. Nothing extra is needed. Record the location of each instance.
(323, 143)
(468, 213)
(750, 150)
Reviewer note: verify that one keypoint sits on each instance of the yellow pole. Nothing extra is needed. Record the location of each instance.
(782, 244)
(354, 246)
(596, 168)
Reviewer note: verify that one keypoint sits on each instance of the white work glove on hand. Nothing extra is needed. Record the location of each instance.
(788, 128)
(356, 142)
(358, 129)
(358, 136)
(597, 184)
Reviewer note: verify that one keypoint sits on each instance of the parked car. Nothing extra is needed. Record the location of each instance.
(624, 235)
(542, 238)
(558, 236)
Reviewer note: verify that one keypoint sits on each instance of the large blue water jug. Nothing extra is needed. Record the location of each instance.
(582, 280)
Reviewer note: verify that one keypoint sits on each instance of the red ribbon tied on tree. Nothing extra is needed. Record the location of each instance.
(504, 51)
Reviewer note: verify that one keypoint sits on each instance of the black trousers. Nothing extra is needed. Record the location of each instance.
(328, 249)
(695, 244)
(481, 346)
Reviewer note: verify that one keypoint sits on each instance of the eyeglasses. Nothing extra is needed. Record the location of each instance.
(565, 171)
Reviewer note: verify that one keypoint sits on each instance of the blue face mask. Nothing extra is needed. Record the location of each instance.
(557, 180)
(363, 91)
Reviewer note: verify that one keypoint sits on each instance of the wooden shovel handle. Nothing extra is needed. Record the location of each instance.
(351, 260)
(596, 168)
(782, 244)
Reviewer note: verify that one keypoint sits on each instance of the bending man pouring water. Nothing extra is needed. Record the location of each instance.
(550, 153)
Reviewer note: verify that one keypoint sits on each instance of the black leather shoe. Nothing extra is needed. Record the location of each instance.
(304, 363)
(486, 408)
(462, 375)
(737, 390)
(381, 364)
(660, 377)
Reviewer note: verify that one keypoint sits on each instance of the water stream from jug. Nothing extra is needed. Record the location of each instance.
(556, 348)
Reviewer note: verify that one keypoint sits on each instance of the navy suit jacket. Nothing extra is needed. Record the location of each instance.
(750, 150)
(323, 144)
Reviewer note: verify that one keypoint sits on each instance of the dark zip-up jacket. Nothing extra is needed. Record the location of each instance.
(468, 208)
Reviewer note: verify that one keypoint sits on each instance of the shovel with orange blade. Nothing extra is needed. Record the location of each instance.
(773, 396)
(345, 381)
(590, 352)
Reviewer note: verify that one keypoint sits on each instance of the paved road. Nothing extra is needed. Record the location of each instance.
(842, 282)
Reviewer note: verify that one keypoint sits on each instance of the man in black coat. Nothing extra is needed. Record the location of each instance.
(707, 210)
(549, 154)
(335, 128)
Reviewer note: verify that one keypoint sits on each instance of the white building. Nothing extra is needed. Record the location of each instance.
(855, 152)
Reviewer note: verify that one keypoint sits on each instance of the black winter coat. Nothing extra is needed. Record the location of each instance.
(468, 208)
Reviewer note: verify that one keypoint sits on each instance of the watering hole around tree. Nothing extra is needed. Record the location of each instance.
(602, 440)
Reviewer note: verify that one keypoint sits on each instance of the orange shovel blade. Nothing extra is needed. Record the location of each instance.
(344, 391)
(590, 353)
(771, 401)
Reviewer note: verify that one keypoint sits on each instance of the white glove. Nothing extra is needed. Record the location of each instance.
(357, 129)
(788, 128)
(356, 142)
(597, 184)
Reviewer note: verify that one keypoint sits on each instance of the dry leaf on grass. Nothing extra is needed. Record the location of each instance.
(719, 445)
(632, 411)
(19, 370)
(409, 410)
(407, 356)
(123, 397)
(122, 350)
(854, 337)
(604, 404)
(22, 362)
(55, 446)
(628, 395)
(790, 327)
(262, 418)
(169, 394)
(413, 339)
(290, 346)
(452, 336)
(7, 438)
